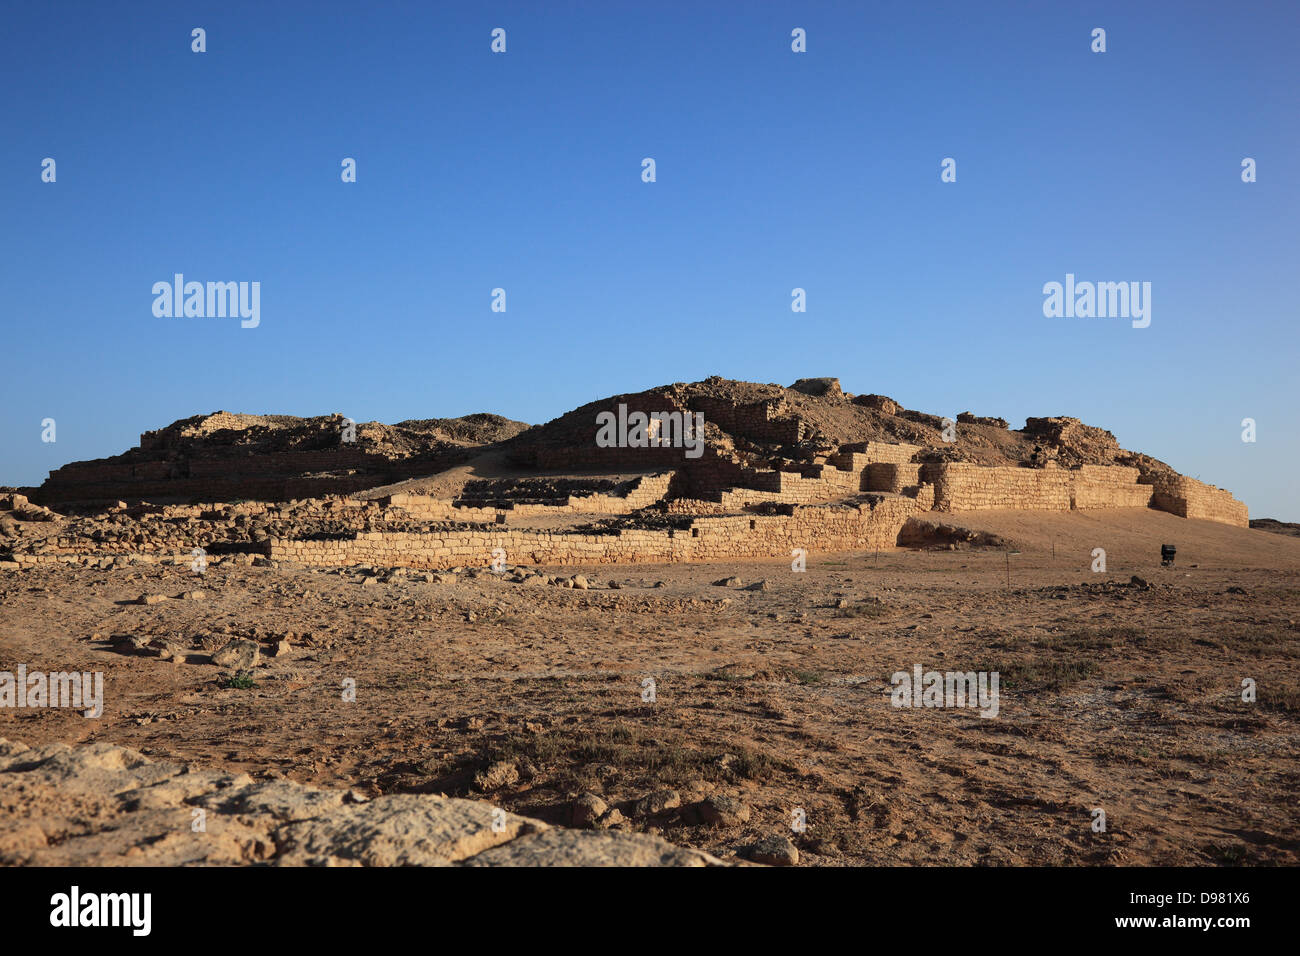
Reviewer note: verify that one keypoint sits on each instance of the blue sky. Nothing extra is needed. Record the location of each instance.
(775, 170)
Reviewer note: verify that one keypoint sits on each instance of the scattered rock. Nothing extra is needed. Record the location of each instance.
(240, 654)
(774, 851)
(130, 644)
(879, 402)
(169, 651)
(658, 802)
(721, 810)
(966, 418)
(827, 387)
(611, 818)
(503, 773)
(587, 810)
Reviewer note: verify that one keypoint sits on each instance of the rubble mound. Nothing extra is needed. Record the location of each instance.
(267, 434)
(226, 457)
(775, 426)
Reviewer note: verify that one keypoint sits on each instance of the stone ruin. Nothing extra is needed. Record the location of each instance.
(807, 467)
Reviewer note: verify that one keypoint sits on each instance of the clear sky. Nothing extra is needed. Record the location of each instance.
(775, 170)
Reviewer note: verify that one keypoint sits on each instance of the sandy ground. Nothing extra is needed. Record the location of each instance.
(1114, 696)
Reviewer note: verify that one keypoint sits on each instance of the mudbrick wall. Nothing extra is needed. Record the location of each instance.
(875, 523)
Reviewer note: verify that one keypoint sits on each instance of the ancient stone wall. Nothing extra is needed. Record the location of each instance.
(766, 421)
(164, 438)
(789, 487)
(892, 477)
(840, 476)
(1190, 498)
(817, 528)
(925, 497)
(879, 451)
(1108, 486)
(960, 486)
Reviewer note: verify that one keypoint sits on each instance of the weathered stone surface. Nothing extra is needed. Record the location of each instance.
(576, 848)
(401, 830)
(101, 805)
(98, 768)
(182, 788)
(283, 800)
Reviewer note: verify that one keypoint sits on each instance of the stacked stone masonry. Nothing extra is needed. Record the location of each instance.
(960, 486)
(871, 524)
(1107, 486)
(1189, 498)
